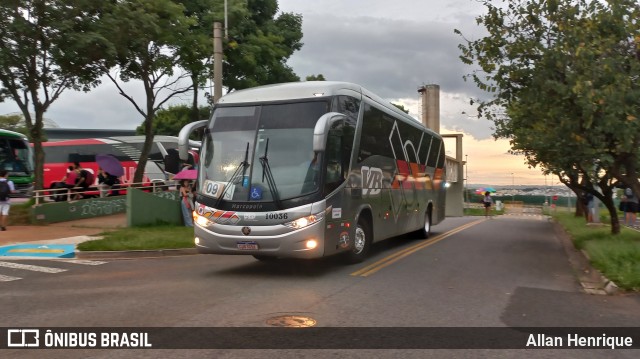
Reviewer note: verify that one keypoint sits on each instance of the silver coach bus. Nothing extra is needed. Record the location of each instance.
(311, 169)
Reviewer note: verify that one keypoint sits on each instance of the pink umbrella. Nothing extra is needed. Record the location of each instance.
(186, 174)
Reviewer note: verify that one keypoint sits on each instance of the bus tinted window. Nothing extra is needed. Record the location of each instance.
(434, 153)
(293, 115)
(375, 122)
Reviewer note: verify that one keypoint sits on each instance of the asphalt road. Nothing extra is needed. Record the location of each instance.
(502, 272)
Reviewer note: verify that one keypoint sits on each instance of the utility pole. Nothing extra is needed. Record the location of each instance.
(217, 61)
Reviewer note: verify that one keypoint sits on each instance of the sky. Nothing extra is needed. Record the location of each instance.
(389, 47)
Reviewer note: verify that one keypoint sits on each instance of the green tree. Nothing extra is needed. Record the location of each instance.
(13, 123)
(259, 45)
(563, 75)
(318, 77)
(401, 108)
(170, 121)
(148, 35)
(256, 50)
(47, 47)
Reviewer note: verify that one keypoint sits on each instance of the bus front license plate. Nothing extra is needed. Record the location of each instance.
(247, 245)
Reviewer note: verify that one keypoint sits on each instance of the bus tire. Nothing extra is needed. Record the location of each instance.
(361, 242)
(425, 232)
(262, 258)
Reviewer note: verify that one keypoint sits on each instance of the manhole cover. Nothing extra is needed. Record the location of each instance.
(297, 321)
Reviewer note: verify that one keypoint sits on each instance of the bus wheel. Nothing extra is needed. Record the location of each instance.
(264, 258)
(425, 232)
(361, 243)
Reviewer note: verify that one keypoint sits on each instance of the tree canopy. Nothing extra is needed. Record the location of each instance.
(170, 121)
(148, 35)
(47, 47)
(564, 82)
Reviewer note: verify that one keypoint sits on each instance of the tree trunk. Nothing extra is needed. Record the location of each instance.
(195, 112)
(607, 200)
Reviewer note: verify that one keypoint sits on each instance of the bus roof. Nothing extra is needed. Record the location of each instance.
(12, 134)
(310, 89)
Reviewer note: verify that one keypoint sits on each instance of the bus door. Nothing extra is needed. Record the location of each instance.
(335, 167)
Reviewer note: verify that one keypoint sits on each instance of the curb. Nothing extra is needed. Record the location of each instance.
(607, 285)
(591, 280)
(135, 253)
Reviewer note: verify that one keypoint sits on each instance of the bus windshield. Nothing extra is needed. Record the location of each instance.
(16, 157)
(261, 153)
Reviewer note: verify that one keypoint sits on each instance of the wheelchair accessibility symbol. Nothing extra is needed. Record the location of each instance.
(256, 193)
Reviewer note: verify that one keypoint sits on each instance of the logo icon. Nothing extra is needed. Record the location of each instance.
(246, 231)
(23, 338)
(256, 193)
(371, 180)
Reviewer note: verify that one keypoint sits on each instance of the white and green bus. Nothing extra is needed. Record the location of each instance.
(311, 169)
(16, 156)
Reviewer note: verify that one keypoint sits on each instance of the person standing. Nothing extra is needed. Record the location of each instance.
(6, 188)
(186, 202)
(631, 206)
(488, 201)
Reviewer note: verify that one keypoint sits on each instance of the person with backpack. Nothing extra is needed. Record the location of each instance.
(6, 188)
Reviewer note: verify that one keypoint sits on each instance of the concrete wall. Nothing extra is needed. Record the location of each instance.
(151, 208)
(157, 206)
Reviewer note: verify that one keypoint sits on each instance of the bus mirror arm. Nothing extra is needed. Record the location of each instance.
(183, 138)
(322, 128)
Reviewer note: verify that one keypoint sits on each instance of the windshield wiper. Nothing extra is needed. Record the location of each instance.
(242, 166)
(266, 172)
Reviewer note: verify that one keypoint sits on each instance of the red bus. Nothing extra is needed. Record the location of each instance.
(162, 163)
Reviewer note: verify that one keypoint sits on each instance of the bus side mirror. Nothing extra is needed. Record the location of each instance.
(172, 161)
(183, 137)
(322, 129)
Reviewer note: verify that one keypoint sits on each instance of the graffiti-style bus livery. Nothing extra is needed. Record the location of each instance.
(312, 169)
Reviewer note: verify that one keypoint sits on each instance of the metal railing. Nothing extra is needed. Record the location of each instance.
(69, 194)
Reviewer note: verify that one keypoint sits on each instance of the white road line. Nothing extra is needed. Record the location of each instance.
(31, 267)
(85, 262)
(8, 278)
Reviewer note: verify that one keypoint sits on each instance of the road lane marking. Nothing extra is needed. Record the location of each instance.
(85, 262)
(390, 259)
(8, 278)
(31, 267)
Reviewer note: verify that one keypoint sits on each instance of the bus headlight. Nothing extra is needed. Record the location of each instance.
(202, 221)
(305, 221)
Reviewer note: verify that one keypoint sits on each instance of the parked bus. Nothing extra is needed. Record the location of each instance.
(16, 156)
(311, 169)
(163, 160)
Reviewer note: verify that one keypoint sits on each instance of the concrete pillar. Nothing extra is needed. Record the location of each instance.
(431, 106)
(455, 192)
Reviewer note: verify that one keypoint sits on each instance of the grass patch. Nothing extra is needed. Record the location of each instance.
(139, 238)
(617, 257)
(20, 213)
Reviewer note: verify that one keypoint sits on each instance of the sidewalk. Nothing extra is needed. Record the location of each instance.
(71, 232)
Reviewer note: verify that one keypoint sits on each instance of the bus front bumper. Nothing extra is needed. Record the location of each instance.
(269, 241)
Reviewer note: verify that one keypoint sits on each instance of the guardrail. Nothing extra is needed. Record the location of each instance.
(68, 194)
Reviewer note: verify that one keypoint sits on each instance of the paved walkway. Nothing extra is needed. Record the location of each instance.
(75, 231)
